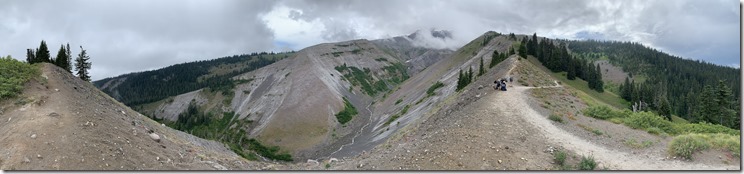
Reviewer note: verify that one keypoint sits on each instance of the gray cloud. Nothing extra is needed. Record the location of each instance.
(135, 35)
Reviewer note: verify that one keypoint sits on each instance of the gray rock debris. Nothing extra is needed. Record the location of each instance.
(155, 137)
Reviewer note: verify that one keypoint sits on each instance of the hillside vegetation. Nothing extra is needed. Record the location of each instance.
(694, 90)
(150, 86)
(14, 74)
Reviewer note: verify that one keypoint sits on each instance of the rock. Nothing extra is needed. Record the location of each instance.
(38, 156)
(499, 161)
(26, 160)
(53, 114)
(155, 137)
(56, 90)
(333, 160)
(33, 136)
(360, 166)
(162, 125)
(312, 162)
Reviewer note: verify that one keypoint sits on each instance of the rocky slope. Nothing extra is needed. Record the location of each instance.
(63, 123)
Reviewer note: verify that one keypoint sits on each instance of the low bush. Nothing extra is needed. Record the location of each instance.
(555, 118)
(14, 74)
(707, 128)
(587, 163)
(346, 114)
(560, 157)
(648, 121)
(685, 145)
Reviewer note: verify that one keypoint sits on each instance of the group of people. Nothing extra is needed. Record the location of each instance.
(501, 84)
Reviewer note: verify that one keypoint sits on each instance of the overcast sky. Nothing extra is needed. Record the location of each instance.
(124, 36)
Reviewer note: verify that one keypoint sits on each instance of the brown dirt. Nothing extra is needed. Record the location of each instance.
(475, 136)
(69, 125)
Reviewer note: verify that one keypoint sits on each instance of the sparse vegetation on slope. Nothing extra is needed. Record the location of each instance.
(347, 114)
(431, 91)
(14, 74)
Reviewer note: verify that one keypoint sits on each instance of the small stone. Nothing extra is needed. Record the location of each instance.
(499, 161)
(56, 90)
(333, 160)
(523, 159)
(33, 136)
(38, 156)
(26, 160)
(157, 158)
(360, 166)
(155, 137)
(162, 125)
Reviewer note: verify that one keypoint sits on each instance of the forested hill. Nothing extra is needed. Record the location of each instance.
(694, 90)
(149, 86)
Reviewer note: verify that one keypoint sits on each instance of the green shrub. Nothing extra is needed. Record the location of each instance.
(587, 163)
(14, 74)
(433, 88)
(398, 101)
(685, 145)
(346, 114)
(604, 112)
(707, 128)
(597, 132)
(616, 120)
(600, 112)
(555, 118)
(648, 120)
(560, 157)
(268, 152)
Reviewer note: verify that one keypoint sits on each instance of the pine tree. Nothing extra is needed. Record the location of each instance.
(69, 58)
(30, 56)
(470, 75)
(599, 84)
(494, 57)
(571, 74)
(481, 71)
(63, 59)
(522, 50)
(511, 51)
(82, 65)
(724, 101)
(665, 109)
(42, 54)
(460, 81)
(626, 89)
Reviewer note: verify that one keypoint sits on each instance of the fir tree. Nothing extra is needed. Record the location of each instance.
(42, 54)
(82, 65)
(481, 71)
(63, 59)
(30, 56)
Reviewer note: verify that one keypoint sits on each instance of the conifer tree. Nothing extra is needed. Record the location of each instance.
(42, 54)
(82, 65)
(481, 71)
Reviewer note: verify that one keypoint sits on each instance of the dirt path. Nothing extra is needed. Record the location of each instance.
(515, 103)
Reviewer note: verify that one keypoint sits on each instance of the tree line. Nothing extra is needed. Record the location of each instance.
(150, 86)
(694, 90)
(555, 56)
(63, 59)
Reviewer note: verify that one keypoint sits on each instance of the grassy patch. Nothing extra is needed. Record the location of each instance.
(560, 157)
(590, 129)
(635, 144)
(398, 101)
(347, 114)
(398, 115)
(555, 118)
(14, 74)
(433, 88)
(688, 144)
(607, 97)
(587, 163)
